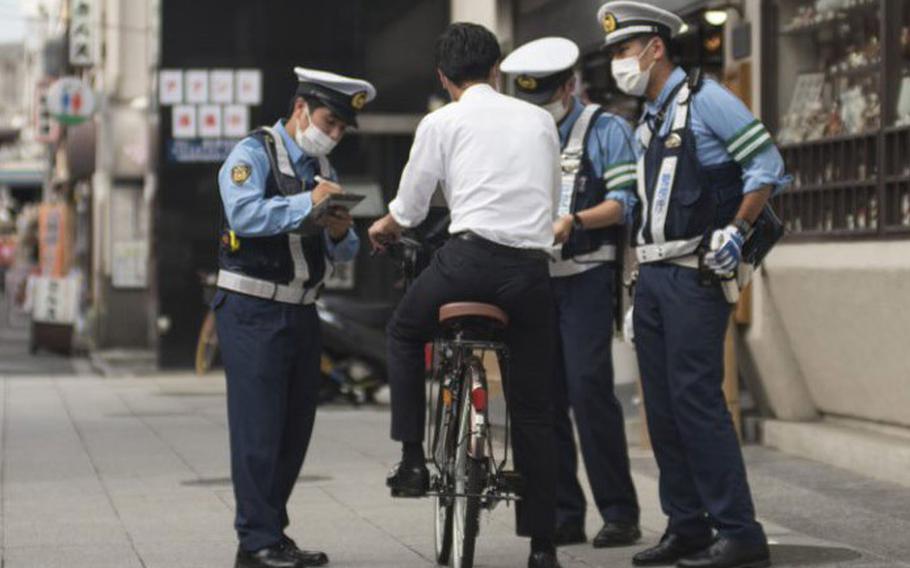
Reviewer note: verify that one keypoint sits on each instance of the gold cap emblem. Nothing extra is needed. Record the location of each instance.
(526, 82)
(359, 100)
(609, 23)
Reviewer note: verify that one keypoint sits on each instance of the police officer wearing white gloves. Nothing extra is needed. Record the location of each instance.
(270, 274)
(706, 169)
(597, 187)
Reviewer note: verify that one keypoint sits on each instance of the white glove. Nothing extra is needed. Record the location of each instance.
(628, 329)
(726, 251)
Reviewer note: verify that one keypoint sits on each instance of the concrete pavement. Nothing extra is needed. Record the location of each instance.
(134, 473)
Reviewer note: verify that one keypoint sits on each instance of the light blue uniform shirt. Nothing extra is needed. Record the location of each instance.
(250, 214)
(610, 151)
(725, 130)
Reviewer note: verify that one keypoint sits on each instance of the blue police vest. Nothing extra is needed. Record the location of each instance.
(589, 191)
(681, 201)
(273, 258)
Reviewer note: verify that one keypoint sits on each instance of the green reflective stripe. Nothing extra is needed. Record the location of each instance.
(746, 154)
(745, 136)
(622, 180)
(619, 170)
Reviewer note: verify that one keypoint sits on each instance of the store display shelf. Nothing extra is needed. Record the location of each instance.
(834, 186)
(871, 135)
(856, 72)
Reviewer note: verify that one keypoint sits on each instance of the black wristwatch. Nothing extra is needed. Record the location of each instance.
(742, 226)
(576, 222)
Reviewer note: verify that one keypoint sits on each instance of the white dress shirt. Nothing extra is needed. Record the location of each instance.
(496, 159)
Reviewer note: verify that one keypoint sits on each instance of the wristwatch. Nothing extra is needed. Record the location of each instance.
(576, 222)
(742, 226)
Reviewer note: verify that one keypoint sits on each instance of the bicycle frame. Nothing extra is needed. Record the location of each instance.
(457, 373)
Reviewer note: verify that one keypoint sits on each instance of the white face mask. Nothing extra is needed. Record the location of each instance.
(629, 76)
(556, 109)
(312, 140)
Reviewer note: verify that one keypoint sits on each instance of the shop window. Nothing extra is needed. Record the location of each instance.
(841, 109)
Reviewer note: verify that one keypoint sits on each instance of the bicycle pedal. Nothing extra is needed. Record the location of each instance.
(511, 481)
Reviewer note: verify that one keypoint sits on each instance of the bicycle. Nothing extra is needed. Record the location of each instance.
(465, 476)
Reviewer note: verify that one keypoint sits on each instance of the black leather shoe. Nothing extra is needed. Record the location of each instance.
(543, 560)
(617, 534)
(406, 480)
(570, 533)
(671, 548)
(277, 556)
(727, 553)
(307, 557)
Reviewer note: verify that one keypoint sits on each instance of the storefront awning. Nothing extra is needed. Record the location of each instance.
(23, 174)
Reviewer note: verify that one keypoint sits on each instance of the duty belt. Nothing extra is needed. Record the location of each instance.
(266, 290)
(665, 252)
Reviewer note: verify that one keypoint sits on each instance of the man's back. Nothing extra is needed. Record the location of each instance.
(497, 159)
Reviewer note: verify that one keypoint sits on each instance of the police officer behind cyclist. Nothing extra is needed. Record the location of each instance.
(497, 161)
(598, 184)
(270, 274)
(707, 168)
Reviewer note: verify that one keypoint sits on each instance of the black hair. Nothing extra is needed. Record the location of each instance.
(311, 102)
(467, 52)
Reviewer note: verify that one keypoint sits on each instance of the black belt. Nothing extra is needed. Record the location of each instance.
(530, 254)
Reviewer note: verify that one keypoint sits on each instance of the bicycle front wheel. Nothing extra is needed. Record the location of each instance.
(469, 482)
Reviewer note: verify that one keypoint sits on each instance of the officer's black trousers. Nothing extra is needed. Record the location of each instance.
(271, 356)
(679, 337)
(584, 382)
(468, 271)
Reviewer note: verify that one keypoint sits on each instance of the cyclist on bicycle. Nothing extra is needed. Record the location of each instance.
(497, 161)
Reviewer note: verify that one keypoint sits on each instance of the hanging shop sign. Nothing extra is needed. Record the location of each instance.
(70, 101)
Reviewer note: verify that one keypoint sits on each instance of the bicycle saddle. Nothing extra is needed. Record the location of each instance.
(457, 310)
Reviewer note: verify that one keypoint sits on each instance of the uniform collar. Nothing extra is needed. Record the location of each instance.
(676, 77)
(294, 152)
(477, 89)
(565, 127)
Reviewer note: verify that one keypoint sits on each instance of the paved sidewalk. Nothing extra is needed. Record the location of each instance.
(124, 473)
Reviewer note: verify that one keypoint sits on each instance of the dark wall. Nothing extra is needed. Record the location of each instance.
(388, 42)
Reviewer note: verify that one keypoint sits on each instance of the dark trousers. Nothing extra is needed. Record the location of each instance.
(271, 357)
(467, 271)
(679, 338)
(584, 382)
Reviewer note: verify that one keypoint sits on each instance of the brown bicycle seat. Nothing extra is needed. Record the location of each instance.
(473, 309)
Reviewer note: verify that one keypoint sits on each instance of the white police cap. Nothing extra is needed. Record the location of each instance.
(541, 67)
(345, 96)
(624, 20)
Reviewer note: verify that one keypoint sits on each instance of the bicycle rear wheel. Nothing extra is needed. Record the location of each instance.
(469, 483)
(442, 505)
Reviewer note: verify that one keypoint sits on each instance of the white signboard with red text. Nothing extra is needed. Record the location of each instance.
(210, 104)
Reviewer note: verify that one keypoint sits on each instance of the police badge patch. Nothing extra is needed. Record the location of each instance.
(240, 173)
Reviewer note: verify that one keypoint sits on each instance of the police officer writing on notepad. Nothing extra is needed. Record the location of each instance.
(497, 161)
(274, 256)
(598, 185)
(706, 168)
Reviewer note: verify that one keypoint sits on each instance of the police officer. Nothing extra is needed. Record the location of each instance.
(274, 255)
(598, 183)
(706, 169)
